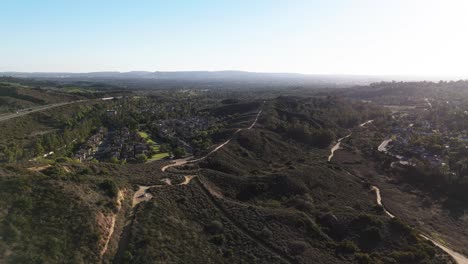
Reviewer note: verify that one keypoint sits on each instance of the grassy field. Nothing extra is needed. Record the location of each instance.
(146, 137)
(79, 90)
(159, 156)
(155, 147)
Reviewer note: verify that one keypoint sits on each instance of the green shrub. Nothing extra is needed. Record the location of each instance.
(397, 225)
(141, 158)
(372, 235)
(62, 159)
(114, 160)
(86, 171)
(297, 247)
(56, 172)
(228, 253)
(217, 240)
(178, 152)
(10, 233)
(109, 187)
(215, 227)
(365, 220)
(363, 258)
(266, 233)
(347, 247)
(403, 256)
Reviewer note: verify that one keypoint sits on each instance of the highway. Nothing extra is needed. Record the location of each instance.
(35, 109)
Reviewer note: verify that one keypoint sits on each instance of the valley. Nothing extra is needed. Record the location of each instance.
(233, 132)
(193, 176)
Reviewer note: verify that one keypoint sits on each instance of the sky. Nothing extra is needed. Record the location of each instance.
(362, 37)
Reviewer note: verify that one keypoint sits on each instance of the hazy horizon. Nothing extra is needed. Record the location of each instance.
(374, 77)
(370, 38)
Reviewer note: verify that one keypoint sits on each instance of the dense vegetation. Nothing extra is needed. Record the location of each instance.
(52, 215)
(268, 196)
(260, 192)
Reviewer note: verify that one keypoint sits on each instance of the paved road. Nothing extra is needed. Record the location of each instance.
(35, 109)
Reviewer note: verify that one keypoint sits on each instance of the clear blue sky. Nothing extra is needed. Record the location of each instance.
(307, 36)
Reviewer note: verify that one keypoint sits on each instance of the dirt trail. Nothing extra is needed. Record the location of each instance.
(142, 195)
(125, 237)
(378, 199)
(336, 147)
(365, 123)
(188, 179)
(167, 181)
(180, 162)
(211, 197)
(255, 121)
(111, 231)
(120, 198)
(459, 258)
(39, 168)
(177, 162)
(383, 146)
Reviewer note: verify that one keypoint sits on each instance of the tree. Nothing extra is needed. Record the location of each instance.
(141, 158)
(164, 148)
(109, 187)
(9, 155)
(38, 149)
(114, 160)
(178, 152)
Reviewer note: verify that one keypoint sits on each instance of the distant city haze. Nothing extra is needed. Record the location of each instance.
(362, 37)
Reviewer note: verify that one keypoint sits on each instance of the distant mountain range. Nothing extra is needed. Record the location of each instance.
(291, 78)
(194, 75)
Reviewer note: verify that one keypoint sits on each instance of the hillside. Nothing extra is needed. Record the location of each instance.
(51, 213)
(16, 96)
(268, 198)
(262, 192)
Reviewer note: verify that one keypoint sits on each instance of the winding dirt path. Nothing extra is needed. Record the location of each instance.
(459, 258)
(180, 162)
(177, 162)
(188, 179)
(336, 147)
(365, 123)
(39, 168)
(378, 199)
(383, 146)
(142, 195)
(120, 198)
